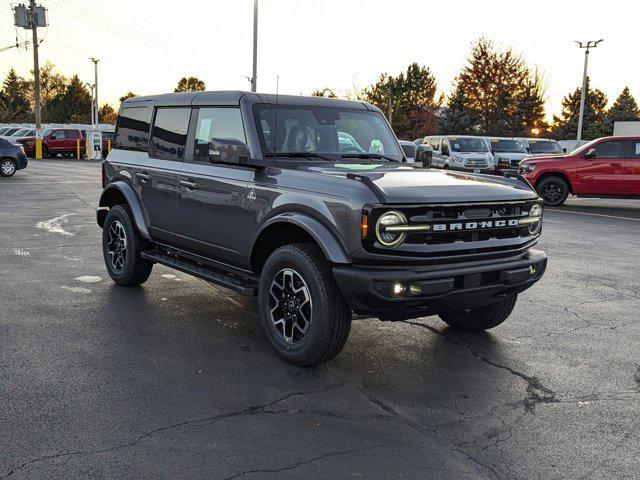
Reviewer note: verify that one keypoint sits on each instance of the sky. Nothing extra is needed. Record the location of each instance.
(145, 46)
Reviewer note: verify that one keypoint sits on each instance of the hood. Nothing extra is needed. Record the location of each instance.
(512, 155)
(544, 158)
(402, 184)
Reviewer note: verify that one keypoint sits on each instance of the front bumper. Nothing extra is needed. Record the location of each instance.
(429, 291)
(22, 161)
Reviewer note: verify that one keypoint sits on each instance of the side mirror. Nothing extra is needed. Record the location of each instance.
(228, 150)
(493, 152)
(564, 149)
(591, 153)
(423, 156)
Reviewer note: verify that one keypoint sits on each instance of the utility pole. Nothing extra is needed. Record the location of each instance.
(36, 78)
(254, 78)
(95, 86)
(586, 46)
(30, 18)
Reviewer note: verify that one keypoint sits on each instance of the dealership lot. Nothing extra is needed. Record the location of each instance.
(174, 379)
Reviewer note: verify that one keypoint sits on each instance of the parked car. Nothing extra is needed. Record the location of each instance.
(418, 141)
(106, 138)
(254, 193)
(507, 153)
(12, 158)
(461, 152)
(9, 132)
(409, 149)
(542, 146)
(606, 167)
(57, 141)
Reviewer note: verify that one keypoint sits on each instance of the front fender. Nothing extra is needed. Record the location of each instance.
(125, 190)
(332, 248)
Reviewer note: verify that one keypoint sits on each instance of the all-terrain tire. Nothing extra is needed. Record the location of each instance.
(121, 247)
(305, 268)
(481, 318)
(554, 190)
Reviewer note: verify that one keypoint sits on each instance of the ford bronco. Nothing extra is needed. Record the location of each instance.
(309, 204)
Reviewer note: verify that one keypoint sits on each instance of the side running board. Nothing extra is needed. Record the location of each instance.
(245, 287)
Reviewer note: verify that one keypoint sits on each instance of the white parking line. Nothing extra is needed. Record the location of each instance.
(593, 214)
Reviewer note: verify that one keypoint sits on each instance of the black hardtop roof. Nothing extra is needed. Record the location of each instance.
(232, 97)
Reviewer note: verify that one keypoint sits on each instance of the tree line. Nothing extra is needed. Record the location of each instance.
(495, 93)
(62, 99)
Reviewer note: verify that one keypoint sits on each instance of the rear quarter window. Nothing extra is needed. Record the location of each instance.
(132, 129)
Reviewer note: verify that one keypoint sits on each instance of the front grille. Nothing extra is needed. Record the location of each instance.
(515, 163)
(461, 229)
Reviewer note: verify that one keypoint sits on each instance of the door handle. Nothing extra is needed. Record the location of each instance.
(616, 164)
(188, 185)
(143, 176)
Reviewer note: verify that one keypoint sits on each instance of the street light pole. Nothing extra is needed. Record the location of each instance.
(254, 77)
(586, 47)
(95, 83)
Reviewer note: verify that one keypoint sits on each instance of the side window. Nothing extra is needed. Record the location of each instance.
(57, 135)
(445, 148)
(169, 133)
(132, 130)
(71, 134)
(634, 148)
(610, 149)
(217, 122)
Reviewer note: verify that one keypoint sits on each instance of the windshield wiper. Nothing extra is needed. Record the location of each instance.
(299, 154)
(368, 156)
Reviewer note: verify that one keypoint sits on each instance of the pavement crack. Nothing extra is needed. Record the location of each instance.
(253, 410)
(295, 465)
(537, 393)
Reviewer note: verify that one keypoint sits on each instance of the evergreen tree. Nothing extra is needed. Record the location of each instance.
(595, 122)
(413, 95)
(107, 114)
(15, 94)
(324, 92)
(454, 119)
(624, 109)
(129, 94)
(73, 105)
(190, 84)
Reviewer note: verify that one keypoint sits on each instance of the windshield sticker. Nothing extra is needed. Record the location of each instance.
(456, 146)
(358, 166)
(495, 141)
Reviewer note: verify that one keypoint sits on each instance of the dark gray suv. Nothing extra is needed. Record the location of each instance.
(309, 203)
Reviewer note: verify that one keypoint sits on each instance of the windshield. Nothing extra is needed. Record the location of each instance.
(325, 131)
(409, 149)
(507, 146)
(584, 147)
(544, 147)
(466, 145)
(20, 132)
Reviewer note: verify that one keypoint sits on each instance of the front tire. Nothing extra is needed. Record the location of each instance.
(481, 318)
(122, 248)
(302, 311)
(554, 190)
(7, 167)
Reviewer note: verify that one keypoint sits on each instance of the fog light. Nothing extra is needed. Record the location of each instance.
(532, 270)
(397, 289)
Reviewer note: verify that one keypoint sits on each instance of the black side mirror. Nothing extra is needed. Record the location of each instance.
(591, 153)
(228, 150)
(493, 152)
(564, 149)
(423, 156)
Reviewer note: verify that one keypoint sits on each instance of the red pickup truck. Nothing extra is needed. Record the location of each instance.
(56, 141)
(605, 167)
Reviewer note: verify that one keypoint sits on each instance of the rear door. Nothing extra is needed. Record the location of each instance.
(158, 174)
(632, 168)
(71, 140)
(603, 174)
(212, 196)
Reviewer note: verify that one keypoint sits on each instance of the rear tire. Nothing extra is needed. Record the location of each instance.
(7, 167)
(481, 318)
(554, 190)
(122, 247)
(303, 313)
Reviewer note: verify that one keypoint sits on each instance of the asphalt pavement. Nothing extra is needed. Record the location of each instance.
(175, 380)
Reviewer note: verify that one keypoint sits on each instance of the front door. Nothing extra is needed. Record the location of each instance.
(213, 197)
(603, 173)
(56, 141)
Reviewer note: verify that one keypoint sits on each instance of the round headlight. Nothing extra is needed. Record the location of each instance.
(384, 229)
(535, 213)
